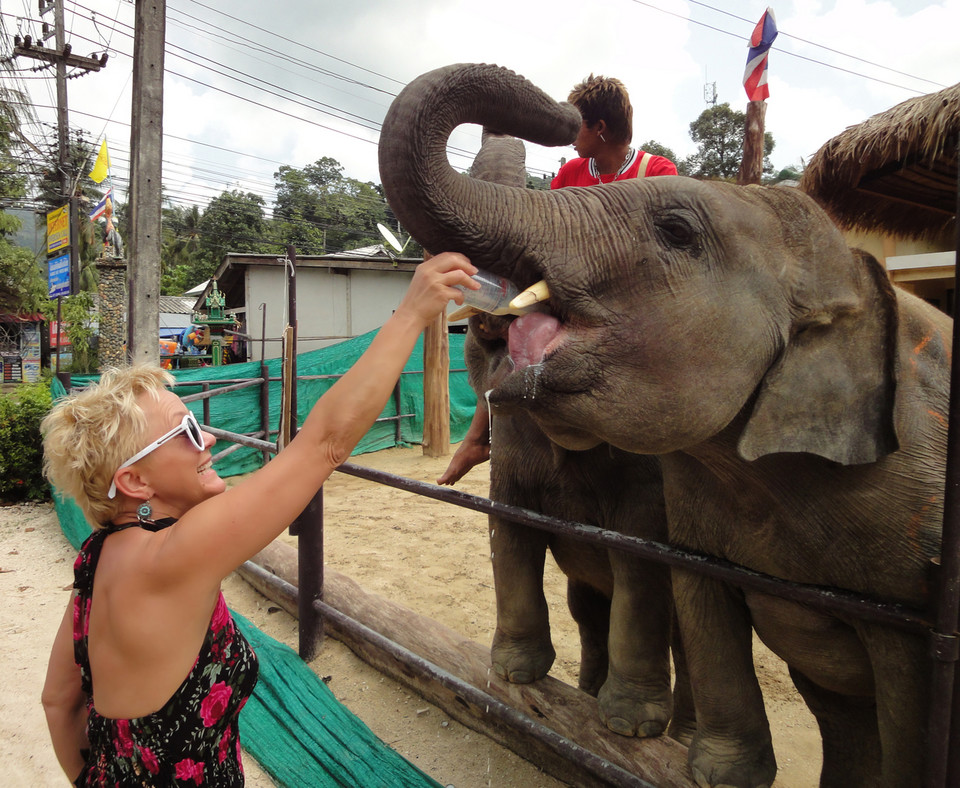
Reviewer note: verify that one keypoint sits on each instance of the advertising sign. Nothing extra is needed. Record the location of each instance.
(30, 351)
(58, 275)
(58, 229)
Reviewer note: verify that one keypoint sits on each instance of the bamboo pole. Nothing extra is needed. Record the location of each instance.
(436, 386)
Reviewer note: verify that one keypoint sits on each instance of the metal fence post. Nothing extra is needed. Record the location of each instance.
(309, 527)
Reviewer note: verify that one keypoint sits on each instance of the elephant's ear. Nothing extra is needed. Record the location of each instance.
(832, 391)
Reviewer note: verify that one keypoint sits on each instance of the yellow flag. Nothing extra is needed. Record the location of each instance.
(102, 166)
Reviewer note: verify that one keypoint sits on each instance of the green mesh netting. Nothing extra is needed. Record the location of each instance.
(239, 411)
(292, 724)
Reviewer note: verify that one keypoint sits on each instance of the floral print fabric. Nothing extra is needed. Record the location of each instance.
(193, 740)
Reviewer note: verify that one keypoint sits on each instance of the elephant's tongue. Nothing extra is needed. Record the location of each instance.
(529, 337)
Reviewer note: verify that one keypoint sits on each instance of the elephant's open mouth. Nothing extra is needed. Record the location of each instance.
(527, 359)
(533, 337)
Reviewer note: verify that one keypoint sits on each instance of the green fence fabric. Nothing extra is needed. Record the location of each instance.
(292, 724)
(239, 411)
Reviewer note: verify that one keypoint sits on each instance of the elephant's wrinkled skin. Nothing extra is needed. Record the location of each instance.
(624, 661)
(797, 401)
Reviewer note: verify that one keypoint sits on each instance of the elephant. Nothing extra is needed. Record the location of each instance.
(624, 656)
(797, 402)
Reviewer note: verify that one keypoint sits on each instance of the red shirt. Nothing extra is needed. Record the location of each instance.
(583, 172)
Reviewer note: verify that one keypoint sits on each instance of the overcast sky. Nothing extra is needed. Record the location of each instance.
(330, 68)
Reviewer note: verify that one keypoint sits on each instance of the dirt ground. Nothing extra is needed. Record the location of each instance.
(428, 556)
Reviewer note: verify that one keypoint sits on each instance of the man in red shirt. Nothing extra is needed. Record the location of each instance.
(603, 144)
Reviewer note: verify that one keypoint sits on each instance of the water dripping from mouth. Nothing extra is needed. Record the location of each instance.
(532, 380)
(486, 396)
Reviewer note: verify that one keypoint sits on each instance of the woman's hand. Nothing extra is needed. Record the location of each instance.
(432, 287)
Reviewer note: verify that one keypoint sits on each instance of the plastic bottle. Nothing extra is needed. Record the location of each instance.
(494, 295)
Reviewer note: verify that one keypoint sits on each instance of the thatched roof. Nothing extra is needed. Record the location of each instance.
(896, 172)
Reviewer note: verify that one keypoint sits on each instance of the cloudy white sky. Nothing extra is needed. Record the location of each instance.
(264, 84)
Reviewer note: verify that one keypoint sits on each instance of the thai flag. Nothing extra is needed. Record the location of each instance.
(755, 75)
(101, 206)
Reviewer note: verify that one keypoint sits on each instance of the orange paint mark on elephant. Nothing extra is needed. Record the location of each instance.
(915, 525)
(939, 417)
(922, 344)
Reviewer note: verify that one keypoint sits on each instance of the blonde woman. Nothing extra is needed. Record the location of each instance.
(147, 673)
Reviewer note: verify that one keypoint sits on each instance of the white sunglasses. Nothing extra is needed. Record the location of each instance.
(189, 425)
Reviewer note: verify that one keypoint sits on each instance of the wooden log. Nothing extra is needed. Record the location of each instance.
(751, 166)
(565, 710)
(436, 386)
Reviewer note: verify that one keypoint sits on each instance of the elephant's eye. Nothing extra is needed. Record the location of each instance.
(675, 229)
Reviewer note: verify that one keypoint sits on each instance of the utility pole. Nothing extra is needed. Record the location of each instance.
(146, 151)
(61, 57)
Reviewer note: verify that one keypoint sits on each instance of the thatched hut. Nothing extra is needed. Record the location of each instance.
(891, 183)
(896, 172)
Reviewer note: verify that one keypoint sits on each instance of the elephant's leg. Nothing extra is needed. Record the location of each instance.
(591, 610)
(522, 650)
(848, 727)
(732, 745)
(636, 699)
(901, 666)
(683, 724)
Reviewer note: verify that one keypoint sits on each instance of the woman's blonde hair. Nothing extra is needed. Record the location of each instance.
(87, 436)
(605, 98)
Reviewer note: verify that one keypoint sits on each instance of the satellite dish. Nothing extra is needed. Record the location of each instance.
(391, 239)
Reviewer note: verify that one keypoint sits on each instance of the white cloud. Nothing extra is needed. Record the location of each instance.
(662, 57)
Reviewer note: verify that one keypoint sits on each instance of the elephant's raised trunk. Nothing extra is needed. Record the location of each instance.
(442, 209)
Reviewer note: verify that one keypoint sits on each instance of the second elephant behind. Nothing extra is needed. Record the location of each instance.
(622, 604)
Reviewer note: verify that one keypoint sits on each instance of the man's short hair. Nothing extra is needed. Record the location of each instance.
(605, 98)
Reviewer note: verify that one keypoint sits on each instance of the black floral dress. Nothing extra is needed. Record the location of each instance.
(193, 740)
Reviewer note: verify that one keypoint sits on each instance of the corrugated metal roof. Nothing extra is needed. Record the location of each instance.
(177, 305)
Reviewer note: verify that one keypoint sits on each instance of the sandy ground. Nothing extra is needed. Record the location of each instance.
(429, 556)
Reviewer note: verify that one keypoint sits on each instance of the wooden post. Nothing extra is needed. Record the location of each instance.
(436, 391)
(146, 151)
(751, 166)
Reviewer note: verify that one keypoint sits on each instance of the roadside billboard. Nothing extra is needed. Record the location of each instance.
(58, 229)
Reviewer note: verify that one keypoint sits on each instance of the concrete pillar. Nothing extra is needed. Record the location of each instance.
(112, 292)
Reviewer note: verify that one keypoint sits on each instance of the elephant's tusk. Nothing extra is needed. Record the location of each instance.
(532, 295)
(463, 313)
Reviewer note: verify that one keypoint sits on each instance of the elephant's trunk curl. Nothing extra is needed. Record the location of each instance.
(442, 209)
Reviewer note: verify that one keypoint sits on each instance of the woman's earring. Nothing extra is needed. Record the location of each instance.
(602, 139)
(144, 511)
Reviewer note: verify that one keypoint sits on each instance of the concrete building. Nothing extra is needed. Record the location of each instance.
(337, 296)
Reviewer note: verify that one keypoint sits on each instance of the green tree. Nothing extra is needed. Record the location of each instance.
(539, 183)
(21, 446)
(718, 133)
(79, 321)
(22, 285)
(320, 210)
(655, 148)
(180, 247)
(232, 222)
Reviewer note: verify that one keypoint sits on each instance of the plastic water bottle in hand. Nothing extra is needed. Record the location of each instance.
(494, 295)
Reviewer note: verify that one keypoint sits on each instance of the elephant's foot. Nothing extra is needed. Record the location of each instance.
(683, 727)
(593, 670)
(521, 660)
(718, 762)
(634, 709)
